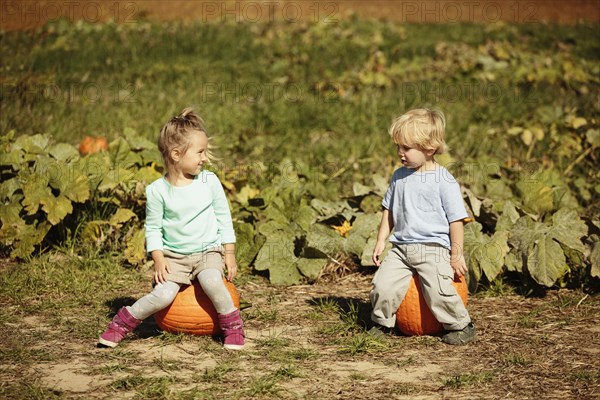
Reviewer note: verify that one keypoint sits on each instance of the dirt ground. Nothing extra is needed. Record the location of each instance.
(527, 348)
(26, 14)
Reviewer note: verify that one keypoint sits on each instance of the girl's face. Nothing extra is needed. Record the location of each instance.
(191, 162)
(413, 157)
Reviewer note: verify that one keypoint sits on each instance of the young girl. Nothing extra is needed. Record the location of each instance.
(424, 212)
(189, 233)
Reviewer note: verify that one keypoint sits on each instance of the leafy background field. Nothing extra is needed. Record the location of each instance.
(299, 113)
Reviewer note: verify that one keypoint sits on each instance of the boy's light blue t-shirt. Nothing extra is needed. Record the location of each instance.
(187, 219)
(422, 205)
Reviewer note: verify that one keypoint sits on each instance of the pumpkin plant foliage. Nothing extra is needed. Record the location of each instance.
(44, 183)
(523, 130)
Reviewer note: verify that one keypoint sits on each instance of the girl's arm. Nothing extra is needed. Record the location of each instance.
(230, 263)
(385, 228)
(222, 212)
(161, 268)
(457, 241)
(153, 232)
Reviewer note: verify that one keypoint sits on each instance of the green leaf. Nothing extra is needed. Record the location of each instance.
(63, 151)
(137, 142)
(360, 190)
(27, 237)
(593, 137)
(514, 262)
(311, 267)
(546, 263)
(321, 239)
(362, 228)
(305, 216)
(537, 242)
(537, 196)
(121, 216)
(248, 243)
(36, 144)
(121, 155)
(277, 254)
(10, 212)
(483, 252)
(57, 208)
(13, 158)
(8, 188)
(366, 258)
(568, 229)
(595, 259)
(35, 191)
(328, 209)
(77, 189)
(509, 216)
(135, 252)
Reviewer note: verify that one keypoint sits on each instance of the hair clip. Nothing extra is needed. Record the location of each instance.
(178, 118)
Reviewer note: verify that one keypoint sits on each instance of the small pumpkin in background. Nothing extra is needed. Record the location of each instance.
(414, 316)
(92, 144)
(193, 312)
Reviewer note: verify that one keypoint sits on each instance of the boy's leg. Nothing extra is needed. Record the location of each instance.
(390, 285)
(432, 263)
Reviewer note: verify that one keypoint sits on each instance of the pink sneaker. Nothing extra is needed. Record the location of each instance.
(233, 329)
(121, 325)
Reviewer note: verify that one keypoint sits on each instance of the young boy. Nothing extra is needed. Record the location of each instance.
(424, 211)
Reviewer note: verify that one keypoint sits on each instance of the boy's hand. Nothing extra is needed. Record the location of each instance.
(459, 265)
(231, 266)
(379, 247)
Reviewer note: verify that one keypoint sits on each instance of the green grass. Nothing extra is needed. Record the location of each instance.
(469, 379)
(71, 80)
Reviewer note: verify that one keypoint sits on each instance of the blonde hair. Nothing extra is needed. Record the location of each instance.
(423, 128)
(176, 134)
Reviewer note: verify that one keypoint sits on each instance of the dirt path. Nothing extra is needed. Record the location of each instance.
(25, 14)
(301, 346)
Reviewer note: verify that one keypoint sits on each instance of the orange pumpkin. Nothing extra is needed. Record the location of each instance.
(414, 316)
(193, 312)
(92, 144)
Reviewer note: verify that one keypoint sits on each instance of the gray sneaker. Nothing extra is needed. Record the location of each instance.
(462, 337)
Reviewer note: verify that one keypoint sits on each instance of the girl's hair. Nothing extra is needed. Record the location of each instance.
(423, 128)
(176, 134)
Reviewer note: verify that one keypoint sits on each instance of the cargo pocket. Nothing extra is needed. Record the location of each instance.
(445, 279)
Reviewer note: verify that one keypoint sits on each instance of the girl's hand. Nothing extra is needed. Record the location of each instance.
(379, 247)
(231, 266)
(161, 269)
(459, 265)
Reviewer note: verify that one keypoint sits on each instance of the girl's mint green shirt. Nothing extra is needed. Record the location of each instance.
(187, 219)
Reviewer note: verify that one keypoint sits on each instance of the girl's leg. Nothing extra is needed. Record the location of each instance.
(128, 318)
(390, 285)
(161, 296)
(211, 280)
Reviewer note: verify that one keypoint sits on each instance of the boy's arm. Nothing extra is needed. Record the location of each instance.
(457, 241)
(385, 228)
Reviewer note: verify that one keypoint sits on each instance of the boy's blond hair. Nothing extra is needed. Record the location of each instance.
(176, 134)
(422, 128)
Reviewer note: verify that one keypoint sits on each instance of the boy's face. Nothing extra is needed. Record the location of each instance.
(413, 157)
